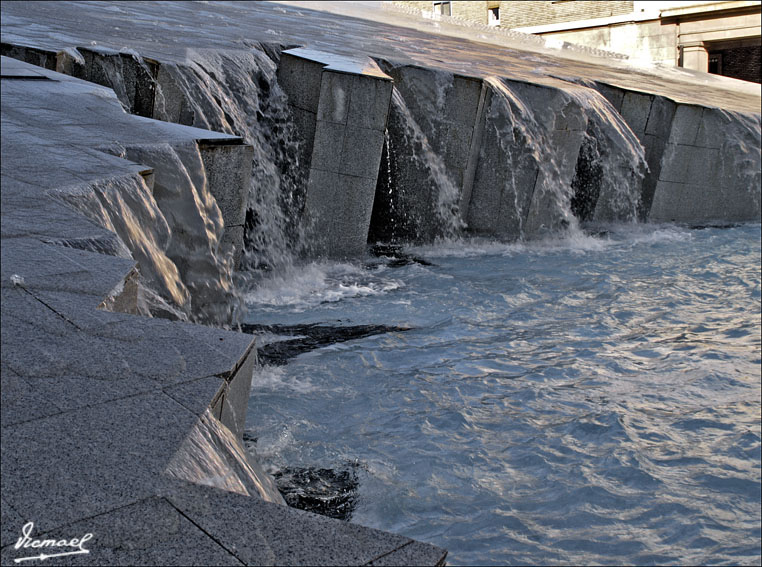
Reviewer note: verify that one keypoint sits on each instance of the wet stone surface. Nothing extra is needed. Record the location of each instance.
(328, 492)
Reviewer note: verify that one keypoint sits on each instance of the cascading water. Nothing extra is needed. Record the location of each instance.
(236, 92)
(211, 455)
(126, 206)
(535, 196)
(416, 199)
(579, 162)
(615, 159)
(196, 228)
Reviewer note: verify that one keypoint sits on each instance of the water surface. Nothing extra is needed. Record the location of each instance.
(593, 399)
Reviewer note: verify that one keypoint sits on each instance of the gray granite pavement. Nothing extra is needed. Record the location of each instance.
(96, 403)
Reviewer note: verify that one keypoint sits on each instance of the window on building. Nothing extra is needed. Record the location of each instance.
(715, 63)
(493, 16)
(442, 8)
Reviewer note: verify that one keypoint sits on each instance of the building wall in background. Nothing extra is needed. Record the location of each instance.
(719, 37)
(516, 14)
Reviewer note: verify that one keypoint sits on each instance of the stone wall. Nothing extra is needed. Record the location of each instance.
(518, 14)
(741, 62)
(711, 169)
(341, 106)
(647, 41)
(425, 165)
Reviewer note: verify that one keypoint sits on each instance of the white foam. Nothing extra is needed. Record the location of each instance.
(276, 378)
(303, 287)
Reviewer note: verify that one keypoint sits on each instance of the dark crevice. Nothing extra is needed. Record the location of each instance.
(398, 257)
(309, 337)
(327, 492)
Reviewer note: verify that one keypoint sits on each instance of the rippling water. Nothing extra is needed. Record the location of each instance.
(587, 400)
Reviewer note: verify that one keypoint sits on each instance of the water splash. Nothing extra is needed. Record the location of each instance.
(614, 156)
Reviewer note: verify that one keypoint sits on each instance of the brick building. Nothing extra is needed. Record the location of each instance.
(716, 37)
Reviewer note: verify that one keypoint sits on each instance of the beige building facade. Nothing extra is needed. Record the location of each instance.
(716, 37)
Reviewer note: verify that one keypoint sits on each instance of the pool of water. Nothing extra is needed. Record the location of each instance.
(591, 399)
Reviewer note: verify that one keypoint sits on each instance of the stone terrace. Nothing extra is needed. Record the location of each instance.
(96, 404)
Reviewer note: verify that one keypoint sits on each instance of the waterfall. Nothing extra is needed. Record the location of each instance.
(611, 165)
(126, 206)
(570, 157)
(534, 185)
(236, 92)
(416, 199)
(172, 231)
(210, 455)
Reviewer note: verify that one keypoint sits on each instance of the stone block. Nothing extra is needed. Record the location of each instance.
(254, 529)
(328, 148)
(458, 145)
(305, 123)
(660, 117)
(236, 396)
(232, 239)
(635, 110)
(685, 124)
(20, 400)
(712, 127)
(353, 213)
(689, 164)
(128, 443)
(489, 189)
(228, 175)
(654, 150)
(369, 102)
(361, 152)
(10, 524)
(613, 94)
(322, 195)
(146, 532)
(414, 553)
(473, 153)
(198, 395)
(300, 80)
(170, 103)
(335, 92)
(462, 100)
(570, 116)
(61, 268)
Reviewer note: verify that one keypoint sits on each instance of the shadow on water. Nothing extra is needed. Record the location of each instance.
(309, 337)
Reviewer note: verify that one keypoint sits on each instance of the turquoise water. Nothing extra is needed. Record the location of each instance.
(593, 399)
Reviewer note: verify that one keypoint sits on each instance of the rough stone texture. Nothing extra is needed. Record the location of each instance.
(514, 187)
(341, 109)
(710, 169)
(134, 81)
(251, 530)
(444, 108)
(650, 118)
(224, 157)
(147, 532)
(413, 553)
(96, 404)
(228, 175)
